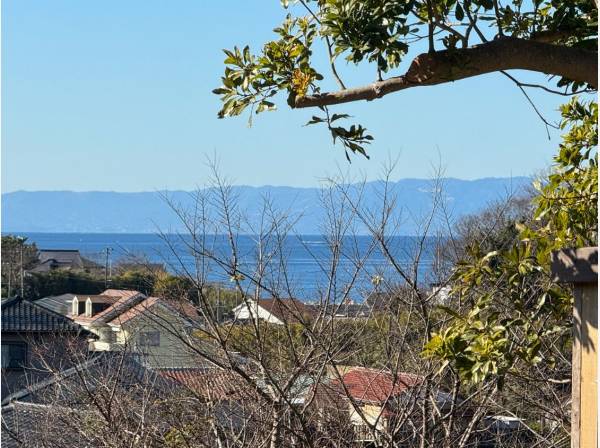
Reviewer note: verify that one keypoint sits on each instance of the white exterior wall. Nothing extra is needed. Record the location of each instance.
(243, 312)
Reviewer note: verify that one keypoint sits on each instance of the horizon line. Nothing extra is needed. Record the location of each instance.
(260, 186)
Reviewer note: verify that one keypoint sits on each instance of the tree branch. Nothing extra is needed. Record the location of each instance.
(440, 67)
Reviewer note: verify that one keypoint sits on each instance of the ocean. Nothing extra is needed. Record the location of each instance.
(302, 267)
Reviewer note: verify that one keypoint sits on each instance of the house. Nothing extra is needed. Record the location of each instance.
(157, 329)
(49, 412)
(52, 411)
(34, 339)
(274, 311)
(62, 259)
(349, 311)
(367, 396)
(26, 425)
(60, 304)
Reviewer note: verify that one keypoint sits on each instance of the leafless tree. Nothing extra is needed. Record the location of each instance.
(323, 376)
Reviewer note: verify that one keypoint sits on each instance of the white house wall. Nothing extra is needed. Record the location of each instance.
(242, 312)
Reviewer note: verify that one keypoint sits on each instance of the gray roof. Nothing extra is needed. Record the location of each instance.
(44, 266)
(66, 386)
(59, 304)
(61, 256)
(49, 259)
(19, 421)
(33, 425)
(20, 315)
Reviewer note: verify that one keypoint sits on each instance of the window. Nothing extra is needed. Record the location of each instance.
(149, 338)
(99, 307)
(14, 355)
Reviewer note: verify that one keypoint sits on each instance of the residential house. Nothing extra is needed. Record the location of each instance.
(369, 396)
(159, 330)
(50, 412)
(385, 302)
(274, 311)
(26, 425)
(349, 310)
(34, 339)
(53, 410)
(60, 304)
(62, 259)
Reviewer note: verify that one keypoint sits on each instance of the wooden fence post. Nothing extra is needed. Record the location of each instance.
(580, 267)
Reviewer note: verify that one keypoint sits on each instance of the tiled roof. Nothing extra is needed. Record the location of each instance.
(127, 304)
(186, 310)
(23, 315)
(289, 310)
(370, 385)
(20, 424)
(44, 266)
(373, 385)
(136, 310)
(121, 299)
(100, 298)
(120, 306)
(61, 256)
(43, 425)
(210, 384)
(59, 304)
(120, 293)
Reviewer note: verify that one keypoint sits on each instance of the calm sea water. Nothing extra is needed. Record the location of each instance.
(307, 259)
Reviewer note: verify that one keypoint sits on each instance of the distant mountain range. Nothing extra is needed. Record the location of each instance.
(113, 212)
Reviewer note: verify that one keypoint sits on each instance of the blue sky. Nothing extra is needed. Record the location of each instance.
(116, 95)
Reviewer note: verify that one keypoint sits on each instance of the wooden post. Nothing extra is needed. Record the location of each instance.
(580, 267)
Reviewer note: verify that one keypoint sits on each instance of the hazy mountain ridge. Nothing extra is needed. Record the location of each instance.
(146, 212)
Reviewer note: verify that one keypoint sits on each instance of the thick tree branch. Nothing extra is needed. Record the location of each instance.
(440, 67)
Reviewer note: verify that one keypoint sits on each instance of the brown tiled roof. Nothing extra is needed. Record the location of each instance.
(184, 309)
(97, 298)
(120, 293)
(136, 310)
(119, 306)
(127, 304)
(288, 310)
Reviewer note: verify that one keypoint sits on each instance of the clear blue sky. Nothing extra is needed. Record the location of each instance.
(116, 95)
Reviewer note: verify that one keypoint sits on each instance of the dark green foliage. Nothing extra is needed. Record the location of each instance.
(512, 311)
(13, 247)
(58, 282)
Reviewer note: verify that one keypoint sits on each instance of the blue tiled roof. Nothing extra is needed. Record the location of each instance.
(23, 315)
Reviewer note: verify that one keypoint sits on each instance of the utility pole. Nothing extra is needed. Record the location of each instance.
(108, 250)
(21, 243)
